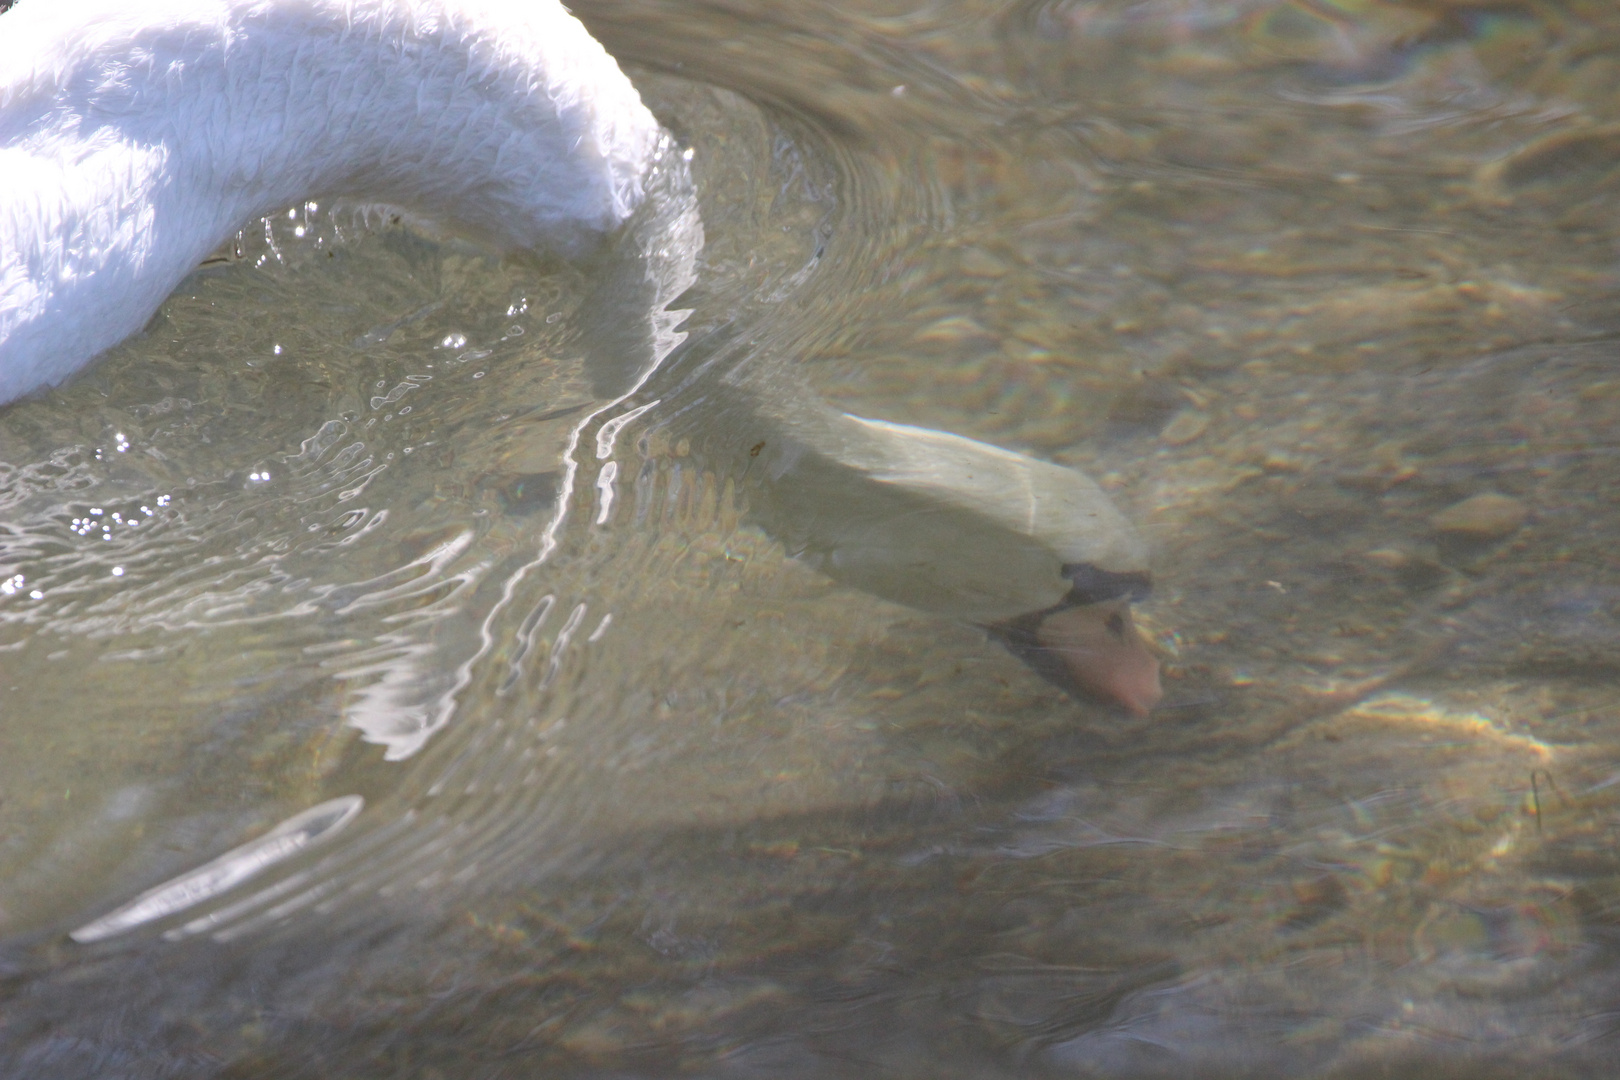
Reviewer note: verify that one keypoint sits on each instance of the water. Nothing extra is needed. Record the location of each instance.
(423, 764)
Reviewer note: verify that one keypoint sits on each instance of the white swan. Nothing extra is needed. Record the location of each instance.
(136, 137)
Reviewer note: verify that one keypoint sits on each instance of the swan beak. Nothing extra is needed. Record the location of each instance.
(1100, 648)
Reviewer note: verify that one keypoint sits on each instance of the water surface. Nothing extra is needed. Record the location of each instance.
(445, 711)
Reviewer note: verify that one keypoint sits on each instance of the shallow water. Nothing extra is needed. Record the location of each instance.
(638, 794)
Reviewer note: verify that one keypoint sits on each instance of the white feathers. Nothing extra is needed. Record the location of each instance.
(136, 136)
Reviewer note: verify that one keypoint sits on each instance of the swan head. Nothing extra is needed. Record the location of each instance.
(1089, 645)
(1104, 655)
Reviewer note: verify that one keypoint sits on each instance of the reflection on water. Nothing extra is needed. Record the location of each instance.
(1321, 290)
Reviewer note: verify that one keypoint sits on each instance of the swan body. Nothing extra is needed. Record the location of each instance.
(136, 136)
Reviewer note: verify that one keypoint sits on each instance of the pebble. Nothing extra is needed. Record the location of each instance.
(1280, 461)
(1389, 558)
(1186, 426)
(951, 330)
(976, 262)
(1556, 157)
(1487, 516)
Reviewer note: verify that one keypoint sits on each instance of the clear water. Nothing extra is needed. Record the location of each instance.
(644, 796)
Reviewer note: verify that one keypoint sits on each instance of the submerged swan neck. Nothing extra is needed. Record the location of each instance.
(929, 519)
(135, 138)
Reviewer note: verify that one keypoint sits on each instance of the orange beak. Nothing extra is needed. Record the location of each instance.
(1100, 648)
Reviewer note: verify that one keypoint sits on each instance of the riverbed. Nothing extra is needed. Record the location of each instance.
(606, 783)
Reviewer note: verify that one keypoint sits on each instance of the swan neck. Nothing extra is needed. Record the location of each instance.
(139, 137)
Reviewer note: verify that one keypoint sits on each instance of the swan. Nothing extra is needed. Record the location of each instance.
(135, 138)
